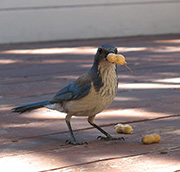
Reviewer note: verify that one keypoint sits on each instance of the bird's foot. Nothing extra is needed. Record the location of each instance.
(110, 138)
(75, 142)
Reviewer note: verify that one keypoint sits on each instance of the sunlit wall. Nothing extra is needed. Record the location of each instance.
(45, 20)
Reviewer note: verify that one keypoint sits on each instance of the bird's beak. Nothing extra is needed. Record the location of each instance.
(116, 58)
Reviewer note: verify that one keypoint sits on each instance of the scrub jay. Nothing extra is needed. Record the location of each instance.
(87, 96)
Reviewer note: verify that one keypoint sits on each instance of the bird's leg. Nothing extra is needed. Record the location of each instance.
(73, 139)
(108, 136)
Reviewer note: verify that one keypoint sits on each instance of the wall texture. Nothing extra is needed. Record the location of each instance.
(44, 20)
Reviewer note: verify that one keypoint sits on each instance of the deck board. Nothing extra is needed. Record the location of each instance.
(148, 99)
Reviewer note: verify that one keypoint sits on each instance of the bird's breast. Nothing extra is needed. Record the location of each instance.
(95, 101)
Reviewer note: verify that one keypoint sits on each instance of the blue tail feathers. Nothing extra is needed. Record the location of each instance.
(30, 106)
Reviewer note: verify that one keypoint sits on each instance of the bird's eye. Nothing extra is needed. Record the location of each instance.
(100, 50)
(115, 51)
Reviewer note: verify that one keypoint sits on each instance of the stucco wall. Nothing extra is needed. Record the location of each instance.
(44, 20)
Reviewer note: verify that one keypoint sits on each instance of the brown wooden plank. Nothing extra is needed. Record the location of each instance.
(36, 141)
(45, 153)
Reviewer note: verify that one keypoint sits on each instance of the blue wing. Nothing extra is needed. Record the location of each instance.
(73, 91)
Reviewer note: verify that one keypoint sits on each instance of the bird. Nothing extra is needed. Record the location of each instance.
(88, 95)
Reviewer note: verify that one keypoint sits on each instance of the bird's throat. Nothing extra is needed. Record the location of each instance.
(107, 72)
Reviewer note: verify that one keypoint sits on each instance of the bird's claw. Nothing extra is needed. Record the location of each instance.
(75, 143)
(110, 138)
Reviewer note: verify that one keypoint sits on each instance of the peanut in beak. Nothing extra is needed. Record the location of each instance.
(118, 59)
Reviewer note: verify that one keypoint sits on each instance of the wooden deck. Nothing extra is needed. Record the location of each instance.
(149, 100)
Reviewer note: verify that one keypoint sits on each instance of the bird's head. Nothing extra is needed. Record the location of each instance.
(107, 53)
(103, 51)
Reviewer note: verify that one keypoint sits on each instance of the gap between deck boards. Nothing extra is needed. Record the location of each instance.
(109, 159)
(88, 128)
